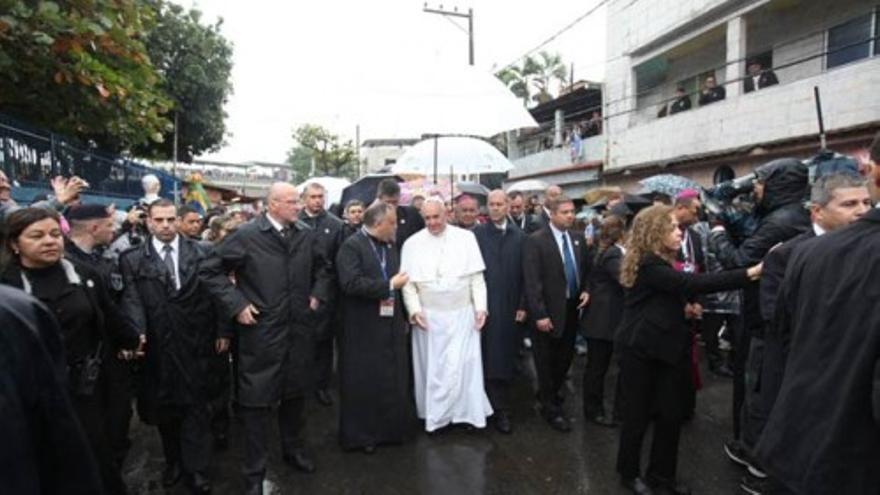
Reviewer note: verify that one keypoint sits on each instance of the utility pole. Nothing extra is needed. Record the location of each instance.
(455, 13)
(174, 166)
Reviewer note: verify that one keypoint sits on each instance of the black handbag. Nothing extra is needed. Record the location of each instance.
(84, 374)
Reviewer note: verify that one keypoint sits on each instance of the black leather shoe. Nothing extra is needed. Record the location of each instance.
(171, 475)
(301, 461)
(637, 486)
(221, 443)
(370, 449)
(199, 484)
(502, 422)
(559, 423)
(668, 487)
(324, 397)
(602, 420)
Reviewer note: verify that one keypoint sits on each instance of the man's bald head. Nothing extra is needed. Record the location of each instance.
(282, 202)
(498, 205)
(550, 194)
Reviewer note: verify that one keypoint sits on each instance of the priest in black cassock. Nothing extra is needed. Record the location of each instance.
(374, 365)
(501, 243)
(823, 435)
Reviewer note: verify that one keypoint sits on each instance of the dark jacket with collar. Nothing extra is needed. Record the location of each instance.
(654, 324)
(602, 315)
(409, 221)
(544, 276)
(277, 275)
(105, 265)
(181, 325)
(767, 78)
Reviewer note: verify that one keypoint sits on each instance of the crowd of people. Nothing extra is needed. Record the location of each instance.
(426, 312)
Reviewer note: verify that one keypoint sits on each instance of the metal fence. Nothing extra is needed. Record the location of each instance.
(31, 157)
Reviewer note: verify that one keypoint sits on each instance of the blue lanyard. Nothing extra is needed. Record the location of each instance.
(383, 259)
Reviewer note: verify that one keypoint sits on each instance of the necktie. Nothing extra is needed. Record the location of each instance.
(571, 277)
(169, 263)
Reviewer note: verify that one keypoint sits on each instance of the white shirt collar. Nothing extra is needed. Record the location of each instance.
(556, 232)
(275, 223)
(818, 230)
(159, 245)
(502, 225)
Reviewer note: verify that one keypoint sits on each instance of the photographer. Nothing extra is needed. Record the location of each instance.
(780, 188)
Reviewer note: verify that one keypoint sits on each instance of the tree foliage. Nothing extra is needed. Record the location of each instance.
(332, 156)
(195, 63)
(533, 79)
(81, 68)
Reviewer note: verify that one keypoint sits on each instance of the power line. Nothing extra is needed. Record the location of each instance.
(557, 34)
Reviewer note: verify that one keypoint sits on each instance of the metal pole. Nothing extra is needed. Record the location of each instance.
(435, 159)
(822, 140)
(174, 169)
(471, 36)
(357, 148)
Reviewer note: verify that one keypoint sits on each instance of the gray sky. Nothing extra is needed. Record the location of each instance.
(301, 62)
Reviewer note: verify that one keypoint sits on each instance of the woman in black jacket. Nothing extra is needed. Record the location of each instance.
(92, 330)
(601, 318)
(654, 341)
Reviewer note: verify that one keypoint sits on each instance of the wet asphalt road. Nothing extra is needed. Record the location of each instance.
(533, 460)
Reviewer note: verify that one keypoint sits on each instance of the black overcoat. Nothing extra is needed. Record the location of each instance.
(330, 231)
(502, 252)
(277, 275)
(603, 314)
(374, 366)
(180, 325)
(823, 435)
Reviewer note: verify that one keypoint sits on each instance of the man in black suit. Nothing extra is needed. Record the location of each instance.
(758, 77)
(682, 102)
(712, 92)
(409, 220)
(555, 267)
(541, 219)
(516, 211)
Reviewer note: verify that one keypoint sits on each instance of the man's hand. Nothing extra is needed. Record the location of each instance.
(399, 280)
(221, 345)
(544, 325)
(583, 300)
(754, 272)
(480, 320)
(66, 190)
(521, 316)
(142, 342)
(418, 320)
(314, 303)
(248, 316)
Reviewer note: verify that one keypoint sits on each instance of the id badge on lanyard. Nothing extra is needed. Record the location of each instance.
(386, 306)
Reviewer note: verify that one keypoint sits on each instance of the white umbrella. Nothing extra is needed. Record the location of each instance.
(529, 185)
(447, 155)
(440, 100)
(332, 185)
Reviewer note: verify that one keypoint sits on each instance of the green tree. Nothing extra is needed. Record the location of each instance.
(195, 62)
(332, 156)
(81, 68)
(300, 161)
(548, 69)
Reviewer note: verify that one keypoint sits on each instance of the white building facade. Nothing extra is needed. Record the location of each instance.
(657, 46)
(376, 154)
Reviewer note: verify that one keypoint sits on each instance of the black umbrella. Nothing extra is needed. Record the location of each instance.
(364, 189)
(632, 202)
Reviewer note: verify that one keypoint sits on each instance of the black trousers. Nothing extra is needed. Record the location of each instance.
(324, 362)
(497, 390)
(741, 346)
(186, 437)
(120, 393)
(553, 356)
(755, 414)
(600, 353)
(655, 392)
(291, 422)
(220, 394)
(92, 414)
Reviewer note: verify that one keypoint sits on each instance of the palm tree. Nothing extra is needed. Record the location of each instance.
(547, 69)
(516, 81)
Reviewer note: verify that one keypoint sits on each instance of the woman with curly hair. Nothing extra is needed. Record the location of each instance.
(654, 341)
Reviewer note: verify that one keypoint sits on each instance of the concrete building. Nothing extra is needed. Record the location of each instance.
(656, 46)
(551, 153)
(376, 154)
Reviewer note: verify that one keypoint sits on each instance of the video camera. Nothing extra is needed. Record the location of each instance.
(730, 203)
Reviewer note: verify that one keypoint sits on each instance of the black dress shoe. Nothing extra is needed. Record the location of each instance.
(301, 461)
(668, 487)
(502, 422)
(559, 423)
(369, 449)
(602, 420)
(199, 484)
(324, 397)
(637, 486)
(221, 443)
(171, 475)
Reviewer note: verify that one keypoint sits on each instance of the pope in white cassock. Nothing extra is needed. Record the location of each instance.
(446, 300)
